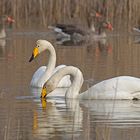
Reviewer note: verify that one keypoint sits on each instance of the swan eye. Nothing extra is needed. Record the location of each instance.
(38, 46)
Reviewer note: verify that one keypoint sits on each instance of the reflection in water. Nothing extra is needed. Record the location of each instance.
(113, 118)
(71, 119)
(104, 46)
(87, 119)
(57, 120)
(114, 112)
(89, 41)
(29, 118)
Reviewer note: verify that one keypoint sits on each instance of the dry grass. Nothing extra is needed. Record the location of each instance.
(45, 12)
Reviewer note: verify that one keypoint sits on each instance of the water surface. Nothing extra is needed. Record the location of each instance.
(24, 116)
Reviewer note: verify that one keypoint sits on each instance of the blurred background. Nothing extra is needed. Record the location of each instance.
(41, 13)
(23, 117)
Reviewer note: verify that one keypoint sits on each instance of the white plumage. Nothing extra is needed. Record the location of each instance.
(122, 87)
(45, 72)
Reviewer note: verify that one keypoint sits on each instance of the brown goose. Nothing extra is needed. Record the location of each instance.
(74, 34)
(67, 32)
(3, 21)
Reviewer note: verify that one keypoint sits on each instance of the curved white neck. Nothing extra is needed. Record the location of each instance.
(77, 76)
(51, 64)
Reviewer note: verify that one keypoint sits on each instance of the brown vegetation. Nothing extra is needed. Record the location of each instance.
(45, 12)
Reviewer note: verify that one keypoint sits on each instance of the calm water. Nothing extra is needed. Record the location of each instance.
(25, 117)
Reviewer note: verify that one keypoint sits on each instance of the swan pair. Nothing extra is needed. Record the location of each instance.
(122, 87)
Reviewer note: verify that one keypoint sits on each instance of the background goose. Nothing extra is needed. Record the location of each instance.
(44, 73)
(137, 29)
(122, 87)
(66, 32)
(4, 20)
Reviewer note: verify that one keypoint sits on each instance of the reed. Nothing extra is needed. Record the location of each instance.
(45, 12)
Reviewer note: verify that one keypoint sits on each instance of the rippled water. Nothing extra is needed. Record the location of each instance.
(25, 116)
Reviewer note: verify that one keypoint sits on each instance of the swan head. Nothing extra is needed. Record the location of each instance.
(46, 90)
(41, 45)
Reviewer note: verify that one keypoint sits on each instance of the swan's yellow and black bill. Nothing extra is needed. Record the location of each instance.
(31, 58)
(44, 92)
(34, 54)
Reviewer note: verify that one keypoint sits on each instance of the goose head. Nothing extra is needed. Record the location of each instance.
(107, 25)
(41, 45)
(104, 25)
(5, 19)
(10, 21)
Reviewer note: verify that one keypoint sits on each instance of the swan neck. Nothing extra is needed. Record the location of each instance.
(52, 59)
(51, 64)
(76, 75)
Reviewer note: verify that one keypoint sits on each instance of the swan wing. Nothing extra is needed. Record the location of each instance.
(37, 75)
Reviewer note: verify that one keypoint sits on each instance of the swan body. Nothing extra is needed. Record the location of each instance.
(45, 72)
(122, 87)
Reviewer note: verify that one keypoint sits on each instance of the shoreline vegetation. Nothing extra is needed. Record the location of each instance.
(42, 13)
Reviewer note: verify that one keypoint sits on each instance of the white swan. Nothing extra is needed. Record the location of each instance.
(44, 73)
(122, 87)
